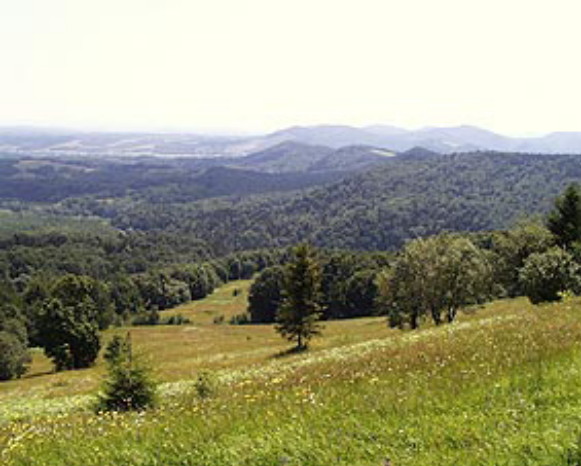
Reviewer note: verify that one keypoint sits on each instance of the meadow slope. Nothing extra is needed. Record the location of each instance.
(500, 386)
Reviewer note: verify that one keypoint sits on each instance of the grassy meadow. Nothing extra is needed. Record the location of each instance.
(501, 386)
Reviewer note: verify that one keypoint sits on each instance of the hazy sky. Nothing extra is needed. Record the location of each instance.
(510, 65)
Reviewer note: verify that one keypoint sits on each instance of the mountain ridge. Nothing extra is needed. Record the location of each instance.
(43, 142)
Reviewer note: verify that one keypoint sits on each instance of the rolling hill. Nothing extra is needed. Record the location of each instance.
(382, 207)
(300, 157)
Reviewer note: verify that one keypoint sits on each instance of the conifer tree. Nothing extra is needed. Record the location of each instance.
(300, 310)
(129, 385)
(565, 220)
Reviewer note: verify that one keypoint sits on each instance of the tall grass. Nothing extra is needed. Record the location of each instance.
(500, 387)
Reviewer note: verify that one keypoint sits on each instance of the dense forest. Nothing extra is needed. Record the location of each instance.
(406, 197)
(236, 208)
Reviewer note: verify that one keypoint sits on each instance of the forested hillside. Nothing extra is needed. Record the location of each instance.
(406, 197)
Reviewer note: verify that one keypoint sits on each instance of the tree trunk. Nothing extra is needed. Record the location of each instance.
(414, 321)
(436, 316)
(451, 314)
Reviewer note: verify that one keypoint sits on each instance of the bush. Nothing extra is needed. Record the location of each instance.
(205, 384)
(176, 319)
(129, 385)
(545, 276)
(240, 319)
(146, 318)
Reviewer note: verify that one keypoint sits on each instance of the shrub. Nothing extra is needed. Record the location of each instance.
(176, 319)
(205, 384)
(146, 318)
(240, 319)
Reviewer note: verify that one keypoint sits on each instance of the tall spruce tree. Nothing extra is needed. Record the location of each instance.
(565, 220)
(300, 310)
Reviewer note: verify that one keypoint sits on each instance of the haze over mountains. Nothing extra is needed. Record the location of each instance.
(43, 142)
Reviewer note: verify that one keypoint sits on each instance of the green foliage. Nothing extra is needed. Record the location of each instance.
(348, 287)
(129, 385)
(565, 220)
(361, 294)
(337, 270)
(176, 319)
(433, 276)
(205, 384)
(14, 356)
(512, 247)
(117, 349)
(13, 321)
(380, 209)
(69, 334)
(404, 198)
(265, 295)
(500, 388)
(300, 309)
(125, 296)
(150, 317)
(71, 290)
(545, 276)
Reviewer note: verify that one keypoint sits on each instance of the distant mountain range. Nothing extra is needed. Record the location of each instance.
(442, 140)
(42, 142)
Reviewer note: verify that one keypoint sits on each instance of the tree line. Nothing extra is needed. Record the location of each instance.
(43, 304)
(430, 277)
(64, 314)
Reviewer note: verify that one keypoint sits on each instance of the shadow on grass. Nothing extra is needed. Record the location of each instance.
(35, 375)
(289, 352)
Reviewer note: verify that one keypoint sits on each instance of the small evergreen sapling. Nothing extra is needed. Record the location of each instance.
(129, 385)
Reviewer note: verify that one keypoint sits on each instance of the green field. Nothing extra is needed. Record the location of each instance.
(502, 386)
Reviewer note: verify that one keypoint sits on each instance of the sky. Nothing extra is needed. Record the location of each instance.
(257, 65)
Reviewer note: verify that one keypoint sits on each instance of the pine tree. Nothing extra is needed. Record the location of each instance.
(565, 220)
(300, 310)
(129, 385)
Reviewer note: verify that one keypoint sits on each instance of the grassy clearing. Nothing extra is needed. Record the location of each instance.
(227, 301)
(501, 386)
(176, 352)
